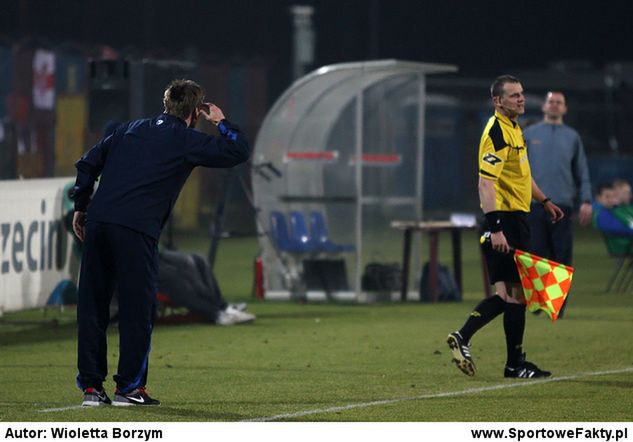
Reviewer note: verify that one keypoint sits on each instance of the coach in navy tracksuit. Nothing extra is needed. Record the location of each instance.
(143, 166)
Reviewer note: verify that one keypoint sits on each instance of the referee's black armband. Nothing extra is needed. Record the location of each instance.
(494, 221)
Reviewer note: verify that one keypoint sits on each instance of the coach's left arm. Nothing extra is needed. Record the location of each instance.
(229, 149)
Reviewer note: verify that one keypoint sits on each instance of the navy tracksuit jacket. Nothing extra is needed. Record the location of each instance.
(143, 166)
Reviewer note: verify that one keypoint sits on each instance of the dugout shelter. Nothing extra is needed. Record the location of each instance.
(338, 157)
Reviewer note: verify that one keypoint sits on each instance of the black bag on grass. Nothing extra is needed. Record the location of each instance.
(382, 277)
(447, 289)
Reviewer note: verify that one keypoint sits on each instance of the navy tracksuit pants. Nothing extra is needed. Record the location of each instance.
(116, 257)
(551, 241)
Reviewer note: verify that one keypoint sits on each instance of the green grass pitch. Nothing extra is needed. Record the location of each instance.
(327, 362)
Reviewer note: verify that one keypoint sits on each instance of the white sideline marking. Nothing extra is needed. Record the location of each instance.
(52, 410)
(402, 399)
(433, 396)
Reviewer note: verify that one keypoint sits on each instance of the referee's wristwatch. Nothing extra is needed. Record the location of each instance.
(545, 201)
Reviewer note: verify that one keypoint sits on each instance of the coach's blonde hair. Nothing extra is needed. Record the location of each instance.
(182, 97)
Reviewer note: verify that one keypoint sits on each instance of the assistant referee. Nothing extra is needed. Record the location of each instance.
(506, 189)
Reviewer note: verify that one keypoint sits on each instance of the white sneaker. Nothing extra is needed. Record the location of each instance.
(241, 306)
(232, 316)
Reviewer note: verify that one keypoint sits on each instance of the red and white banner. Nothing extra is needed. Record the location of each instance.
(44, 80)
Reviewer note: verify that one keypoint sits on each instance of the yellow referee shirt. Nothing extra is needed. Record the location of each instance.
(503, 158)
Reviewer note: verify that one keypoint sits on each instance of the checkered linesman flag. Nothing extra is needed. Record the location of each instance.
(545, 283)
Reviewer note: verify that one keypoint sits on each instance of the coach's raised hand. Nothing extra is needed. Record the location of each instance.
(212, 113)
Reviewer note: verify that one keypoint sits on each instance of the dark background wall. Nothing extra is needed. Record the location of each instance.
(479, 36)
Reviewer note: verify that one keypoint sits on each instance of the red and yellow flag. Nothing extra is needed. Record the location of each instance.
(545, 283)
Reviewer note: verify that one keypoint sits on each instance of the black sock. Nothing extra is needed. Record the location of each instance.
(514, 325)
(486, 311)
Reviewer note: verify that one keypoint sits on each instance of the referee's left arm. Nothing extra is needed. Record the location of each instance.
(555, 212)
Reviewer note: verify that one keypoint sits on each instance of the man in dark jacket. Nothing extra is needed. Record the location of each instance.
(142, 165)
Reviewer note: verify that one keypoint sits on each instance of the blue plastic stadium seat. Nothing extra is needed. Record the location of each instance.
(293, 240)
(280, 234)
(299, 233)
(319, 235)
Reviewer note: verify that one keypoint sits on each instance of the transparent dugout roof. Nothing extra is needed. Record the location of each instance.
(348, 142)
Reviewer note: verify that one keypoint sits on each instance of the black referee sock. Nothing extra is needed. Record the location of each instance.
(486, 311)
(514, 325)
